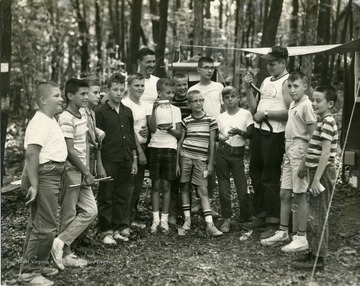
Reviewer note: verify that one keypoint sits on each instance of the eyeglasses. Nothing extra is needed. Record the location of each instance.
(197, 101)
(208, 68)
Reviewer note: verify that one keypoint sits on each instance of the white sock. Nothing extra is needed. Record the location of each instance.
(156, 216)
(187, 214)
(164, 217)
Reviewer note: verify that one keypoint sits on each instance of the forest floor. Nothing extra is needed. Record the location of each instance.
(193, 259)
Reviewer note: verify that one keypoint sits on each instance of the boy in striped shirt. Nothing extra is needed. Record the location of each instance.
(320, 160)
(195, 159)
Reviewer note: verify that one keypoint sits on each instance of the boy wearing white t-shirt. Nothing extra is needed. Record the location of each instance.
(235, 126)
(165, 128)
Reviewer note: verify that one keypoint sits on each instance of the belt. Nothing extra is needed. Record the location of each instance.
(296, 140)
(231, 149)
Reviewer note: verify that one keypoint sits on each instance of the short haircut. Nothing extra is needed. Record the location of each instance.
(145, 52)
(115, 78)
(180, 76)
(228, 90)
(296, 75)
(162, 83)
(92, 81)
(73, 85)
(203, 60)
(42, 90)
(191, 94)
(133, 76)
(329, 91)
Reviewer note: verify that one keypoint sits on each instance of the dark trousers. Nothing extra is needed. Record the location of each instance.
(232, 161)
(265, 171)
(114, 197)
(137, 187)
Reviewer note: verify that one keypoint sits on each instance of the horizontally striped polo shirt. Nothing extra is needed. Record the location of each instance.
(197, 136)
(326, 129)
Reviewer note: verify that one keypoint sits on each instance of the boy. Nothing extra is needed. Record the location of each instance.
(235, 126)
(213, 106)
(165, 128)
(45, 156)
(270, 112)
(195, 159)
(141, 112)
(298, 131)
(180, 100)
(320, 159)
(72, 224)
(118, 160)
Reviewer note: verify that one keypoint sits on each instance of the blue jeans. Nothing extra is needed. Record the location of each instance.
(232, 161)
(114, 197)
(42, 224)
(73, 222)
(265, 171)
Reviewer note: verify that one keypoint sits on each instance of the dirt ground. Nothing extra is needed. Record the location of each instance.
(194, 259)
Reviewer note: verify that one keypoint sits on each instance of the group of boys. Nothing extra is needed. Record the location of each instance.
(178, 134)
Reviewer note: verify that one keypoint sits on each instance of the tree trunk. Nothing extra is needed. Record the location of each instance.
(98, 33)
(198, 26)
(154, 10)
(5, 59)
(161, 44)
(135, 30)
(334, 39)
(294, 32)
(207, 32)
(269, 34)
(238, 35)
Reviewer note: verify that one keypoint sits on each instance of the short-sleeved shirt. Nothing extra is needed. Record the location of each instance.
(46, 132)
(242, 120)
(212, 97)
(197, 136)
(150, 93)
(140, 112)
(119, 141)
(161, 138)
(75, 128)
(326, 129)
(300, 115)
(183, 105)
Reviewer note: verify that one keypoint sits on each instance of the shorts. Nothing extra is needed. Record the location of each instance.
(192, 170)
(162, 163)
(294, 154)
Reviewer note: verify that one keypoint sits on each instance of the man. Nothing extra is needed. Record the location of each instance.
(146, 62)
(270, 111)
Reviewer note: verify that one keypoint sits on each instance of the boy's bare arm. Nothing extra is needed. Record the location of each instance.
(32, 163)
(76, 162)
(210, 166)
(152, 121)
(100, 170)
(302, 170)
(180, 142)
(175, 132)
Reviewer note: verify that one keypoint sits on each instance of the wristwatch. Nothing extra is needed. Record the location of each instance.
(266, 113)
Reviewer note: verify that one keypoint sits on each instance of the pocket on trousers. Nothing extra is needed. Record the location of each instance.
(73, 177)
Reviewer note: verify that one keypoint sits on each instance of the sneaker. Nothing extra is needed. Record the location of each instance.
(57, 253)
(211, 230)
(172, 220)
(225, 227)
(196, 207)
(33, 279)
(310, 263)
(187, 223)
(137, 224)
(109, 240)
(154, 227)
(215, 214)
(299, 243)
(125, 232)
(164, 226)
(72, 260)
(119, 236)
(49, 271)
(257, 223)
(278, 237)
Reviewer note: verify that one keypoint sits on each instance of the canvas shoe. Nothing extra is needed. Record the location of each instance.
(119, 236)
(299, 243)
(72, 260)
(33, 279)
(49, 271)
(211, 230)
(154, 227)
(187, 223)
(164, 226)
(125, 232)
(278, 237)
(109, 240)
(225, 227)
(136, 224)
(57, 253)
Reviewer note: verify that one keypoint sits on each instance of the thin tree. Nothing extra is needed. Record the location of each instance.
(161, 42)
(239, 23)
(135, 30)
(198, 26)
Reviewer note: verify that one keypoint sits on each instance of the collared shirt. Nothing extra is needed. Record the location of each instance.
(119, 141)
